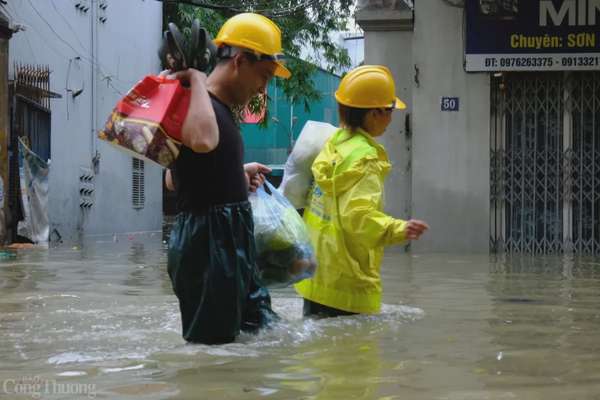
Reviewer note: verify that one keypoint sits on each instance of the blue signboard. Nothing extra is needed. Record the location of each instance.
(532, 35)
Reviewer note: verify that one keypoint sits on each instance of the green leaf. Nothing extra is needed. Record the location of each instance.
(313, 24)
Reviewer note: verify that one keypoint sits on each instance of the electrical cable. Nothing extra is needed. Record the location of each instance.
(57, 51)
(26, 36)
(53, 31)
(4, 6)
(92, 62)
(68, 24)
(270, 12)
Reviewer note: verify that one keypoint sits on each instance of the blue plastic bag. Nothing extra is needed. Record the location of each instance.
(284, 253)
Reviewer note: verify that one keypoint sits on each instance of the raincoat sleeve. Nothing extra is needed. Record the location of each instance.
(360, 215)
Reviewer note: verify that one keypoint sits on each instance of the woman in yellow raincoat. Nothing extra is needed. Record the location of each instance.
(345, 217)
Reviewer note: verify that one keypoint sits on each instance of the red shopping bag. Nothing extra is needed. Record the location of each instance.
(147, 122)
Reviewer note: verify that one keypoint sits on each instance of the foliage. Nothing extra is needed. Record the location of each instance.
(305, 25)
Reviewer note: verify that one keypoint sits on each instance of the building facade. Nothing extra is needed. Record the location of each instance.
(498, 149)
(94, 52)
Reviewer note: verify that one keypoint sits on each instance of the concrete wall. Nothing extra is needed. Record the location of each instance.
(440, 175)
(104, 59)
(451, 176)
(394, 49)
(390, 44)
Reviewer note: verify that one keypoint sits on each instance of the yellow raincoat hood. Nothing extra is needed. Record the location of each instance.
(347, 225)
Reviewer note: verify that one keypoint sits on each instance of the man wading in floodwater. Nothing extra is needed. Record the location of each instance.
(211, 249)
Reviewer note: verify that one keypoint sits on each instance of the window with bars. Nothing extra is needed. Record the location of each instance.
(137, 183)
(545, 163)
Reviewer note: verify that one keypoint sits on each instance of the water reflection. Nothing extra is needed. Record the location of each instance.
(316, 359)
(453, 327)
(346, 367)
(545, 315)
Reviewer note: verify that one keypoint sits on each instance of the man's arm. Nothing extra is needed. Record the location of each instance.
(200, 131)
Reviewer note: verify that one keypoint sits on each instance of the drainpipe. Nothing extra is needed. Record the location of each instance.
(93, 54)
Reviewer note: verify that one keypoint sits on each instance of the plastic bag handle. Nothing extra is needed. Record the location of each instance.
(277, 194)
(260, 192)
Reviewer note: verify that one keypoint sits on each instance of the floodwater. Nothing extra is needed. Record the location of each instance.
(100, 321)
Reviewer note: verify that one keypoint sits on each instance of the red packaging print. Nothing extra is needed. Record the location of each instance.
(147, 122)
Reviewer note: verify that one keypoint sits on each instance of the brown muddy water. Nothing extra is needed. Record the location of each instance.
(100, 321)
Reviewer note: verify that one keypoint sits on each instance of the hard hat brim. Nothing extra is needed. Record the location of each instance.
(400, 105)
(281, 71)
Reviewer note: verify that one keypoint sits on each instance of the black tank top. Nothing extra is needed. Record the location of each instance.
(203, 180)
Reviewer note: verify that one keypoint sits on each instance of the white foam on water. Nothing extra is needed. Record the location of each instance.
(69, 357)
(225, 350)
(230, 350)
(72, 373)
(131, 368)
(77, 357)
(51, 296)
(173, 322)
(266, 391)
(160, 324)
(294, 330)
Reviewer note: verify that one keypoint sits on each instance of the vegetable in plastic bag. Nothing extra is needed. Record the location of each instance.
(284, 253)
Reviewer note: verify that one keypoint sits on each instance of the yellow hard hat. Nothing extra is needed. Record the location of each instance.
(369, 86)
(257, 33)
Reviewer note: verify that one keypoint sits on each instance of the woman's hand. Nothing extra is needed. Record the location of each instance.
(415, 228)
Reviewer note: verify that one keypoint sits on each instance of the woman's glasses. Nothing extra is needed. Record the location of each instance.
(390, 108)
